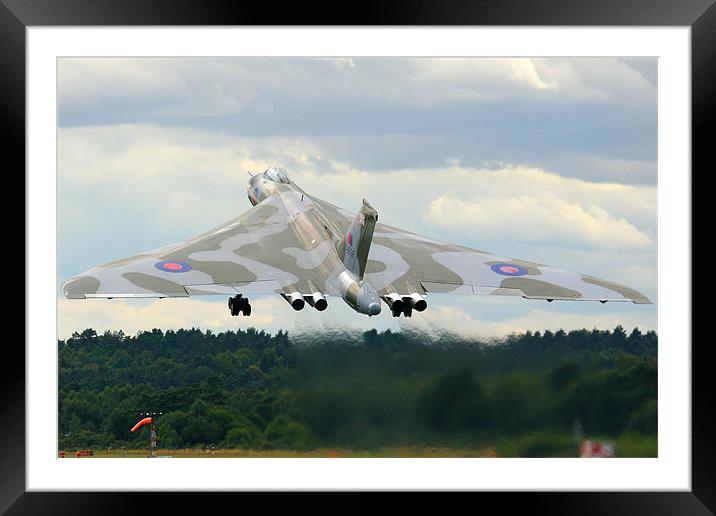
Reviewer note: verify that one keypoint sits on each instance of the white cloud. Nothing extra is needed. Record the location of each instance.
(132, 316)
(541, 218)
(339, 62)
(598, 79)
(461, 315)
(462, 323)
(513, 201)
(165, 178)
(468, 79)
(268, 312)
(197, 178)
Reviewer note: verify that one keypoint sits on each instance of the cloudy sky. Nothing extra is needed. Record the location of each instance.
(548, 160)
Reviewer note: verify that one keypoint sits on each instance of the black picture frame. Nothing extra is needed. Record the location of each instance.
(700, 15)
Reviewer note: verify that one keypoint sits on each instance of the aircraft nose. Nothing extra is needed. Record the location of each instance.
(374, 308)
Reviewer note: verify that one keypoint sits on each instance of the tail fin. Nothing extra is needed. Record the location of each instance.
(355, 245)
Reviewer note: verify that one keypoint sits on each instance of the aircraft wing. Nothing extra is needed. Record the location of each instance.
(269, 248)
(404, 262)
(261, 251)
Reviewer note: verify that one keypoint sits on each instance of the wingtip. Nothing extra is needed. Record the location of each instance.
(641, 299)
(79, 286)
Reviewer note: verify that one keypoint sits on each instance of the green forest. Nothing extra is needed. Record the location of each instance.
(521, 395)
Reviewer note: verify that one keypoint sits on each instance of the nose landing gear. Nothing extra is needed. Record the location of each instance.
(238, 304)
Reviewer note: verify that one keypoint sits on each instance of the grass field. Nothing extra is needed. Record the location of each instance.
(628, 445)
(395, 452)
(530, 445)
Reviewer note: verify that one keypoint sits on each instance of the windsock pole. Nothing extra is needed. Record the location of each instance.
(150, 420)
(153, 442)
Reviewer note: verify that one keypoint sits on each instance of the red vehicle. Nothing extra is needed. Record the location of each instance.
(85, 453)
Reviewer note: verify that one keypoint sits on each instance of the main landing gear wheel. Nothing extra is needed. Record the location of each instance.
(239, 304)
(406, 310)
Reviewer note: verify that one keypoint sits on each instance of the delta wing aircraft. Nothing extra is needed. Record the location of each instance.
(307, 250)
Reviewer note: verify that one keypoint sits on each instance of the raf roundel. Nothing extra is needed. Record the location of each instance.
(172, 266)
(509, 269)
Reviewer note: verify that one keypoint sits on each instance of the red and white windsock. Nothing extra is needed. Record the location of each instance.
(144, 421)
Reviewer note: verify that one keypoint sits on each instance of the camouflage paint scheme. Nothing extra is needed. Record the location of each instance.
(291, 241)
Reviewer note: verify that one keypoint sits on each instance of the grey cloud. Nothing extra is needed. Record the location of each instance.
(647, 67)
(375, 137)
(380, 114)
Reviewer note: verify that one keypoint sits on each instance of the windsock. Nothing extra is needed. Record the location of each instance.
(144, 421)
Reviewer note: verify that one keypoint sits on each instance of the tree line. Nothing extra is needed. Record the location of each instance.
(251, 389)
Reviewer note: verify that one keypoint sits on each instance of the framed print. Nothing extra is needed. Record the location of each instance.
(567, 129)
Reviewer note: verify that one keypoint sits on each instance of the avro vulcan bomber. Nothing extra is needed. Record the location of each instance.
(308, 250)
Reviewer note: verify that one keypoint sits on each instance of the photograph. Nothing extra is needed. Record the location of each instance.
(413, 247)
(357, 257)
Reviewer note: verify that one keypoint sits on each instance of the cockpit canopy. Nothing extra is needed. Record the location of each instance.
(277, 174)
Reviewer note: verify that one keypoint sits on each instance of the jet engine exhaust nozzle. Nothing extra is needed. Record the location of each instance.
(318, 301)
(416, 301)
(296, 300)
(394, 302)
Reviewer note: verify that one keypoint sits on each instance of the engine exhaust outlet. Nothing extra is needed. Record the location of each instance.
(295, 299)
(318, 301)
(394, 301)
(416, 301)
